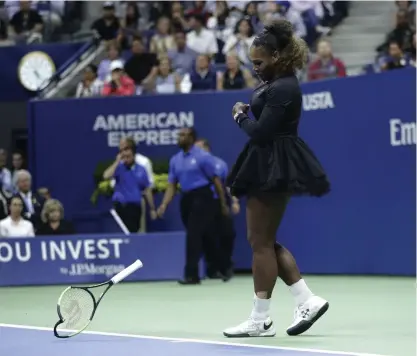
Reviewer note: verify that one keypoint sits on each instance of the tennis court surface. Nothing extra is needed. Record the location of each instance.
(367, 316)
(23, 341)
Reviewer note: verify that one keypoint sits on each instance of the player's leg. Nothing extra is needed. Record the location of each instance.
(308, 307)
(264, 212)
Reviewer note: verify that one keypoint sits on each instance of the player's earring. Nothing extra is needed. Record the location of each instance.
(275, 56)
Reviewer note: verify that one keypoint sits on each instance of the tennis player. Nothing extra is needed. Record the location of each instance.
(274, 165)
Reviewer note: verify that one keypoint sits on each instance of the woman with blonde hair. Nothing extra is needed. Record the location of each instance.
(53, 220)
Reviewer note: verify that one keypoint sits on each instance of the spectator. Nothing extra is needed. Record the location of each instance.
(132, 182)
(18, 163)
(412, 51)
(326, 66)
(90, 85)
(198, 9)
(26, 24)
(396, 59)
(4, 38)
(6, 182)
(113, 53)
(163, 40)
(142, 66)
(235, 77)
(182, 57)
(53, 222)
(131, 24)
(132, 17)
(44, 193)
(286, 12)
(402, 33)
(120, 84)
(108, 25)
(241, 40)
(203, 76)
(410, 8)
(312, 13)
(177, 14)
(51, 12)
(4, 209)
(200, 39)
(32, 201)
(251, 11)
(14, 225)
(166, 81)
(221, 23)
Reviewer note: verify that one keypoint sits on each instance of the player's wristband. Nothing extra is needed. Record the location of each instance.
(240, 117)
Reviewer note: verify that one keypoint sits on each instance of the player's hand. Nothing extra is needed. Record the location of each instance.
(153, 214)
(161, 210)
(235, 208)
(239, 106)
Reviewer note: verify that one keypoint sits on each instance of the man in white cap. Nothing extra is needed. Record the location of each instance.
(120, 84)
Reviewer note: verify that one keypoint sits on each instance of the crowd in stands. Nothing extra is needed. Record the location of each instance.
(399, 47)
(168, 47)
(26, 22)
(23, 211)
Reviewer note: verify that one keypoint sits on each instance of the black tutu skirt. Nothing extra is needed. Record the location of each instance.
(284, 165)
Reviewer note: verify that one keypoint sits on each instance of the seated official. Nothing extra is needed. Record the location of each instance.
(131, 182)
(32, 201)
(53, 220)
(14, 225)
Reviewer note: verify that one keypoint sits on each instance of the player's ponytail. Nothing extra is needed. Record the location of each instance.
(278, 36)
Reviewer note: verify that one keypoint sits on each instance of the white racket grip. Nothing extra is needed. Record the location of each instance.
(127, 271)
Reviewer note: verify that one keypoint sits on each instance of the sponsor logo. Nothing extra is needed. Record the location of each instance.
(63, 250)
(151, 129)
(402, 133)
(318, 101)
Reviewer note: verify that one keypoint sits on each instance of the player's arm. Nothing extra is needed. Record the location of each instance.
(278, 99)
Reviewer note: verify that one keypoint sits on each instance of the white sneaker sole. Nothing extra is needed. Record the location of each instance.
(268, 333)
(304, 325)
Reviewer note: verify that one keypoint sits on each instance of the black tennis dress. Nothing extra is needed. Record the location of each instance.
(275, 158)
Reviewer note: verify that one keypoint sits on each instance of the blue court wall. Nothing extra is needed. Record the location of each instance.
(361, 128)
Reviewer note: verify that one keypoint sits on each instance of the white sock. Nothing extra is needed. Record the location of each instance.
(300, 292)
(260, 309)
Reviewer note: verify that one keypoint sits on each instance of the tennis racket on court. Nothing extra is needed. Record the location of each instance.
(77, 305)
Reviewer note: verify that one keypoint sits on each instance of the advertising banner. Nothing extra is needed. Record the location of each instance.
(90, 259)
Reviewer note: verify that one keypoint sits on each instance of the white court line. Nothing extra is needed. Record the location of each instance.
(173, 339)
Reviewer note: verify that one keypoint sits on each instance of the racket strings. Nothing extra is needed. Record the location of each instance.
(76, 307)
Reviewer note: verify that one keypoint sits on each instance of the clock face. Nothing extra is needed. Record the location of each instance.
(35, 70)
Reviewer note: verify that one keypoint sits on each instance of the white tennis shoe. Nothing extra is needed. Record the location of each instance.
(252, 328)
(305, 315)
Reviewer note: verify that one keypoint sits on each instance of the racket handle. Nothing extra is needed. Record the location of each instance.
(127, 271)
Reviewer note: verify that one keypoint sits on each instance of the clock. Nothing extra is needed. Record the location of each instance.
(35, 69)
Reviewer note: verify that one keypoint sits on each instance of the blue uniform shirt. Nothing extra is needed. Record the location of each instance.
(130, 183)
(221, 171)
(193, 169)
